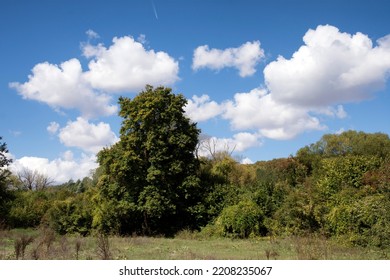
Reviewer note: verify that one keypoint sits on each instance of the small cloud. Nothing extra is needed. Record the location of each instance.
(15, 133)
(142, 39)
(340, 112)
(92, 34)
(341, 130)
(247, 161)
(53, 128)
(244, 58)
(337, 112)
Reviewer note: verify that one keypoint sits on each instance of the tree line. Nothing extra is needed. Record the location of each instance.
(153, 182)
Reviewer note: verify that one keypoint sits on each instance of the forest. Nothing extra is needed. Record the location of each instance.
(154, 182)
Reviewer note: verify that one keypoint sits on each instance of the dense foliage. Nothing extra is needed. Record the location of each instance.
(151, 182)
(5, 195)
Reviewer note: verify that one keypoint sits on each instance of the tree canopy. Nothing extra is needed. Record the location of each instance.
(151, 171)
(350, 142)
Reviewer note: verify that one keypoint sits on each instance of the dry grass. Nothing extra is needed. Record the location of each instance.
(103, 247)
(308, 248)
(20, 245)
(44, 244)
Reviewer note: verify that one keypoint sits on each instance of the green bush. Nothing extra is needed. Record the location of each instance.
(297, 214)
(28, 208)
(240, 220)
(73, 215)
(365, 222)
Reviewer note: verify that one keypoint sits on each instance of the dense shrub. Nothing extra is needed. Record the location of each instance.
(73, 215)
(296, 215)
(364, 222)
(240, 220)
(28, 208)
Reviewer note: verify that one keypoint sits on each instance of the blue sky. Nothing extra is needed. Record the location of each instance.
(263, 77)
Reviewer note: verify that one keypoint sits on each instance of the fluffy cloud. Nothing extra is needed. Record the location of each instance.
(257, 110)
(87, 136)
(246, 161)
(244, 140)
(244, 58)
(53, 127)
(335, 111)
(330, 68)
(127, 66)
(201, 108)
(92, 34)
(61, 169)
(64, 86)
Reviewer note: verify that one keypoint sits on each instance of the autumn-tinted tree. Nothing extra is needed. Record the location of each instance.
(149, 181)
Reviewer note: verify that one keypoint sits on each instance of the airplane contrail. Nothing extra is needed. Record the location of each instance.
(154, 9)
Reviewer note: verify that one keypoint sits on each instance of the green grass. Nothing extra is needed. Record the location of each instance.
(185, 246)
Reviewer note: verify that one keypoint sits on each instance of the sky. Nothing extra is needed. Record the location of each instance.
(262, 78)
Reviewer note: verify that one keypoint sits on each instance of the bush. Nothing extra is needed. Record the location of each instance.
(73, 215)
(297, 214)
(240, 220)
(28, 208)
(365, 222)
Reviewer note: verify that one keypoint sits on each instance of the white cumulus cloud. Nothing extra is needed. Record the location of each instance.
(87, 136)
(330, 68)
(201, 108)
(247, 161)
(64, 86)
(127, 66)
(256, 110)
(244, 58)
(60, 169)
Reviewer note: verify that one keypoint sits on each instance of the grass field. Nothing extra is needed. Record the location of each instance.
(44, 244)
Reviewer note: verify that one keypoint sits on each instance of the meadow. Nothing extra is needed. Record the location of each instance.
(44, 244)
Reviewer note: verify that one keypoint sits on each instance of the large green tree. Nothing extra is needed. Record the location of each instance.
(149, 182)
